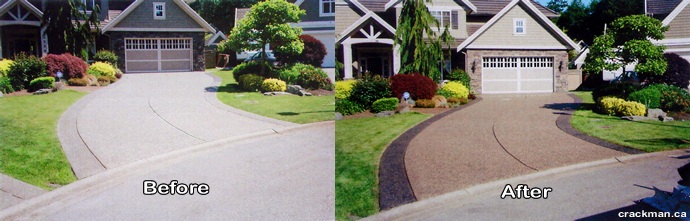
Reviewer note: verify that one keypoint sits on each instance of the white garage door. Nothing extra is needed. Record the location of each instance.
(517, 75)
(158, 54)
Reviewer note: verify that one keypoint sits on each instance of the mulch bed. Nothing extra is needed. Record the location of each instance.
(321, 92)
(680, 116)
(87, 89)
(432, 111)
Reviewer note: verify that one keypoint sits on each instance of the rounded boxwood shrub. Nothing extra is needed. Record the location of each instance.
(5, 66)
(70, 66)
(454, 89)
(251, 82)
(347, 107)
(25, 68)
(78, 82)
(106, 56)
(384, 104)
(419, 86)
(649, 96)
(273, 84)
(41, 83)
(425, 103)
(344, 88)
(461, 76)
(631, 108)
(253, 67)
(369, 89)
(609, 105)
(99, 69)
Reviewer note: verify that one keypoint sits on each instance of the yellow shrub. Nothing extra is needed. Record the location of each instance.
(5, 66)
(609, 105)
(343, 88)
(631, 108)
(101, 69)
(273, 84)
(456, 89)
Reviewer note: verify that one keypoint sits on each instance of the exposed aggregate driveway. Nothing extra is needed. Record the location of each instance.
(144, 115)
(499, 137)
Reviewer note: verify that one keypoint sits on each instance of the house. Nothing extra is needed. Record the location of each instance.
(147, 35)
(318, 21)
(675, 14)
(505, 46)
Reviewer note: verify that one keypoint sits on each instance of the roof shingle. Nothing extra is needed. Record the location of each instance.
(661, 7)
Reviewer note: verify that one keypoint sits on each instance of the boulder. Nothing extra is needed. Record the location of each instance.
(655, 113)
(298, 90)
(636, 118)
(403, 107)
(385, 114)
(43, 91)
(665, 119)
(338, 116)
(58, 86)
(274, 93)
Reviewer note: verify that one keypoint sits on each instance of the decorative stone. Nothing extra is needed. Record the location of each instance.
(636, 118)
(385, 114)
(298, 90)
(59, 86)
(665, 119)
(43, 91)
(1, 95)
(275, 93)
(656, 113)
(403, 107)
(338, 116)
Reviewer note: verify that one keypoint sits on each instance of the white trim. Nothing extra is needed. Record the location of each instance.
(353, 41)
(299, 2)
(515, 26)
(315, 24)
(359, 6)
(534, 10)
(160, 29)
(360, 21)
(678, 50)
(215, 37)
(6, 7)
(319, 32)
(675, 12)
(321, 13)
(155, 16)
(30, 23)
(517, 47)
(672, 41)
(205, 26)
(467, 3)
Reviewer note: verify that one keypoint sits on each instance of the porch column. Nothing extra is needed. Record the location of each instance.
(347, 56)
(396, 59)
(44, 42)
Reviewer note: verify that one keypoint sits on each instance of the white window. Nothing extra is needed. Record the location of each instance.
(89, 4)
(327, 8)
(519, 26)
(443, 17)
(159, 10)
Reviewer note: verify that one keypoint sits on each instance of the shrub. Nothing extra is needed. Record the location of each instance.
(384, 104)
(272, 84)
(440, 101)
(677, 73)
(106, 56)
(112, 79)
(454, 89)
(99, 69)
(103, 81)
(649, 96)
(118, 73)
(5, 86)
(251, 82)
(461, 76)
(609, 105)
(674, 99)
(70, 66)
(288, 74)
(41, 83)
(77, 82)
(425, 103)
(619, 90)
(253, 68)
(419, 86)
(369, 89)
(5, 66)
(344, 88)
(313, 53)
(347, 107)
(457, 100)
(631, 108)
(92, 80)
(25, 69)
(311, 77)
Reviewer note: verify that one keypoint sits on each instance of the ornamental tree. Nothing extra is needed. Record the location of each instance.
(267, 22)
(628, 41)
(69, 27)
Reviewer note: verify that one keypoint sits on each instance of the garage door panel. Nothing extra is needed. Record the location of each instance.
(175, 54)
(175, 65)
(142, 55)
(500, 74)
(517, 74)
(532, 74)
(142, 66)
(537, 86)
(501, 86)
(158, 54)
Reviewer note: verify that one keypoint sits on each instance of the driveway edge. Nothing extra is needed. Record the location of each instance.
(394, 185)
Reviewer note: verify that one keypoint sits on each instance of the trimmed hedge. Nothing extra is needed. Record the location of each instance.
(620, 107)
(347, 107)
(41, 83)
(609, 105)
(384, 104)
(454, 89)
(25, 68)
(272, 84)
(99, 69)
(251, 82)
(419, 86)
(344, 88)
(70, 66)
(369, 89)
(106, 56)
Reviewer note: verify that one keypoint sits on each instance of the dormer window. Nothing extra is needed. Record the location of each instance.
(519, 26)
(327, 8)
(443, 17)
(159, 10)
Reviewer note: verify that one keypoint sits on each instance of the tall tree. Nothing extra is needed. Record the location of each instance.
(628, 41)
(557, 5)
(267, 22)
(606, 11)
(220, 13)
(69, 27)
(573, 19)
(420, 47)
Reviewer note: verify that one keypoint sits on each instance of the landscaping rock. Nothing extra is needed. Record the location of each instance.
(59, 86)
(636, 118)
(274, 93)
(338, 116)
(43, 91)
(655, 113)
(385, 114)
(298, 90)
(403, 107)
(1, 95)
(665, 119)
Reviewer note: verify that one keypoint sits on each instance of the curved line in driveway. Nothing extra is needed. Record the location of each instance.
(76, 126)
(172, 125)
(493, 130)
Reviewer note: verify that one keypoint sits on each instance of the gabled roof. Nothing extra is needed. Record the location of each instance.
(467, 3)
(530, 9)
(493, 7)
(7, 6)
(661, 7)
(179, 3)
(675, 12)
(214, 39)
(369, 15)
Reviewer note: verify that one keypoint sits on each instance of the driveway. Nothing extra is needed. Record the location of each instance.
(144, 115)
(499, 137)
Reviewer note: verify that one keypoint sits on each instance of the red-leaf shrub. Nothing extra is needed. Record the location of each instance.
(313, 53)
(419, 86)
(70, 66)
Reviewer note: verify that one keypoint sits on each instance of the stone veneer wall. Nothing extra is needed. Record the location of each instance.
(560, 78)
(117, 45)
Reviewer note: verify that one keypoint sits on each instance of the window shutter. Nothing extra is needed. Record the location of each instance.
(454, 19)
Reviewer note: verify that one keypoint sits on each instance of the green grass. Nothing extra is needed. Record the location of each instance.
(359, 144)
(648, 136)
(294, 109)
(29, 147)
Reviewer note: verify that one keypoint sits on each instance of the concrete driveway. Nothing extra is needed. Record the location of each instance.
(144, 115)
(499, 137)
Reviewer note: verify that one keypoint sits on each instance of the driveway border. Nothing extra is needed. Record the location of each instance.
(394, 185)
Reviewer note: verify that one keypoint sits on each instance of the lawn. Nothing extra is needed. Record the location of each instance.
(290, 108)
(29, 147)
(648, 136)
(359, 144)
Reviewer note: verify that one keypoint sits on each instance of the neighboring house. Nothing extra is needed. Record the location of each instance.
(319, 21)
(147, 35)
(676, 15)
(505, 46)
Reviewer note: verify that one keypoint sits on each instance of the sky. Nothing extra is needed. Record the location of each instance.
(543, 2)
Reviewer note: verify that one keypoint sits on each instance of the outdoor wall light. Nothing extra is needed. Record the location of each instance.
(560, 66)
(474, 65)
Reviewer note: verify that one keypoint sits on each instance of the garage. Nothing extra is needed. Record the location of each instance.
(517, 75)
(158, 54)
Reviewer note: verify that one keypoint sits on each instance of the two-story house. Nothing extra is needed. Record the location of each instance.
(506, 46)
(676, 15)
(147, 35)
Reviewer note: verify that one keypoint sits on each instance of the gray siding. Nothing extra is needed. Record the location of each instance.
(142, 17)
(312, 9)
(501, 33)
(680, 26)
